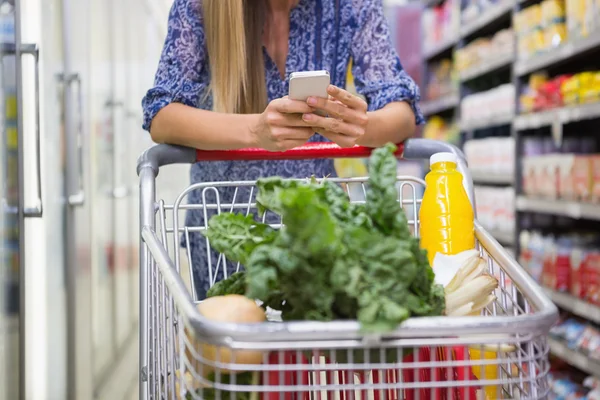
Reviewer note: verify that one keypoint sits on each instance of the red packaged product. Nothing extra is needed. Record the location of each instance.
(548, 268)
(562, 265)
(578, 258)
(591, 277)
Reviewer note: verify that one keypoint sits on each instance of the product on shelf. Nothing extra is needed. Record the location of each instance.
(581, 88)
(545, 26)
(582, 17)
(564, 90)
(493, 155)
(579, 335)
(437, 128)
(569, 173)
(440, 80)
(540, 27)
(474, 9)
(484, 50)
(494, 103)
(440, 24)
(495, 208)
(566, 263)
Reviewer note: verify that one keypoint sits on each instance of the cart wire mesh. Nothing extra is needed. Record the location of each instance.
(426, 358)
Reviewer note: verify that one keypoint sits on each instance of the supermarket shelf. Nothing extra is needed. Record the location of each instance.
(490, 66)
(488, 123)
(570, 209)
(430, 3)
(504, 238)
(480, 177)
(560, 54)
(563, 115)
(494, 13)
(442, 104)
(575, 358)
(440, 48)
(574, 305)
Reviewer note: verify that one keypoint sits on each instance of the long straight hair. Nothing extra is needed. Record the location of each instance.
(233, 31)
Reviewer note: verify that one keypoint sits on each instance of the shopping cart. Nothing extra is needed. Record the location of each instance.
(502, 353)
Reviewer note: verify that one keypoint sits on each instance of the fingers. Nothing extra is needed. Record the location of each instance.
(337, 109)
(347, 98)
(275, 118)
(287, 106)
(335, 125)
(337, 138)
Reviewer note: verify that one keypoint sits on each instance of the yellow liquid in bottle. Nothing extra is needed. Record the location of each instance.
(446, 213)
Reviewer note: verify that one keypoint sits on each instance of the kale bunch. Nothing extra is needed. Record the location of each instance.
(332, 259)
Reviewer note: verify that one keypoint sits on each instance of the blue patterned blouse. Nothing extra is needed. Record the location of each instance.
(324, 34)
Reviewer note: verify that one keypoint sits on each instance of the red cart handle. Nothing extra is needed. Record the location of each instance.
(305, 152)
(165, 154)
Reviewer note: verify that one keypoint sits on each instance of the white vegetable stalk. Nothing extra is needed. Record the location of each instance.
(471, 289)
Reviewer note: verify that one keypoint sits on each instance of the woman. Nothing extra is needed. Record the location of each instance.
(222, 84)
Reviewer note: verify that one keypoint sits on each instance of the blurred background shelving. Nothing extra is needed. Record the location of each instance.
(516, 84)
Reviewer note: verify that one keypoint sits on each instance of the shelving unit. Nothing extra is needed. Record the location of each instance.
(487, 178)
(575, 358)
(503, 61)
(441, 104)
(563, 115)
(575, 305)
(571, 209)
(495, 121)
(488, 17)
(569, 57)
(565, 52)
(440, 48)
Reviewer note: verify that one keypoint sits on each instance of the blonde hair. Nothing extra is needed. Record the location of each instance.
(233, 31)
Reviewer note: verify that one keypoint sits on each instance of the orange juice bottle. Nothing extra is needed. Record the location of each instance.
(446, 213)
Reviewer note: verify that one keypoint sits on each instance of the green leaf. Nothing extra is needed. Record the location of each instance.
(235, 284)
(382, 198)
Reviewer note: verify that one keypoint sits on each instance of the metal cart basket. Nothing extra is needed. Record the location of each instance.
(500, 354)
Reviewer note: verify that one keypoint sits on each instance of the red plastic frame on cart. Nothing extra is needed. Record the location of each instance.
(305, 152)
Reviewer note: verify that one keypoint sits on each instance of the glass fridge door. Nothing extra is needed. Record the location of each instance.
(10, 220)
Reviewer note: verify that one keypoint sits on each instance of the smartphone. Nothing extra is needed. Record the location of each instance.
(308, 84)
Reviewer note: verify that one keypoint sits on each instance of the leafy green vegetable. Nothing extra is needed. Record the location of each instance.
(235, 284)
(236, 235)
(332, 259)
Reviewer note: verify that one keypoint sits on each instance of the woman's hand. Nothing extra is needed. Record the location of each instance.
(348, 118)
(281, 127)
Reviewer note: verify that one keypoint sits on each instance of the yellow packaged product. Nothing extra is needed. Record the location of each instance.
(555, 35)
(537, 41)
(569, 91)
(526, 102)
(575, 12)
(534, 17)
(553, 11)
(586, 90)
(518, 23)
(591, 18)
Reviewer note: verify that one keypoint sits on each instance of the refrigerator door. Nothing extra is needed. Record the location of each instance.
(43, 112)
(76, 81)
(10, 220)
(101, 105)
(124, 327)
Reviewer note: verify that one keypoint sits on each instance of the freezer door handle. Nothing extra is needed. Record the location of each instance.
(77, 198)
(32, 50)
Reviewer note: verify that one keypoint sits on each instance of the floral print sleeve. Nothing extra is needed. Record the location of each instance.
(182, 75)
(377, 70)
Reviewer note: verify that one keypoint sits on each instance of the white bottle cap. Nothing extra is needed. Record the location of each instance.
(443, 157)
